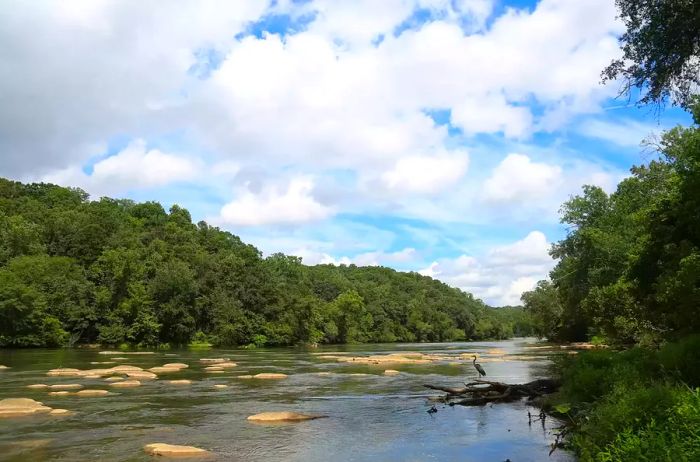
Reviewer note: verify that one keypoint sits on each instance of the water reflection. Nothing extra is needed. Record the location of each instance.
(372, 417)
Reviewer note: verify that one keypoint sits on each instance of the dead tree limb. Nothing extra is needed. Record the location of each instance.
(484, 391)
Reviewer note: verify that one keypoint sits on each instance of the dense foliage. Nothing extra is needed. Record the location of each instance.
(661, 50)
(635, 405)
(629, 268)
(114, 271)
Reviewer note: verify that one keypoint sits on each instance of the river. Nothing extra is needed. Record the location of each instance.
(371, 417)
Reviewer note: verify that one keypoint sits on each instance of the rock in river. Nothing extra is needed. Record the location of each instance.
(269, 375)
(126, 384)
(283, 416)
(179, 382)
(391, 372)
(20, 407)
(91, 392)
(163, 449)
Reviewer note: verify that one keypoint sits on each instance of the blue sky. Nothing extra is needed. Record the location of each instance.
(438, 136)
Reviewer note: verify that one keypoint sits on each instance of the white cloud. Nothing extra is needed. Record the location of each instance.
(501, 274)
(426, 174)
(135, 167)
(270, 206)
(518, 178)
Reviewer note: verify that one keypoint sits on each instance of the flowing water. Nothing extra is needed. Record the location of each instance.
(371, 416)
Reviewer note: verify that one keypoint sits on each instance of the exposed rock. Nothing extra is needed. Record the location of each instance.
(126, 368)
(142, 375)
(392, 358)
(164, 370)
(495, 351)
(244, 377)
(323, 373)
(113, 379)
(64, 412)
(216, 371)
(179, 382)
(176, 365)
(126, 384)
(213, 368)
(391, 372)
(282, 417)
(20, 407)
(101, 362)
(59, 393)
(220, 386)
(66, 386)
(120, 359)
(64, 372)
(91, 392)
(92, 376)
(38, 386)
(172, 450)
(3, 367)
(226, 364)
(213, 360)
(269, 375)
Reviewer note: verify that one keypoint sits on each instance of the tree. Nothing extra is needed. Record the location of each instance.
(661, 50)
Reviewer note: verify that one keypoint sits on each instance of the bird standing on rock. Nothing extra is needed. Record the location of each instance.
(479, 369)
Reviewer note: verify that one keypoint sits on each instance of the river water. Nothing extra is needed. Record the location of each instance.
(371, 417)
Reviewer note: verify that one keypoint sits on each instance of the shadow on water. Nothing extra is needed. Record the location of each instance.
(372, 417)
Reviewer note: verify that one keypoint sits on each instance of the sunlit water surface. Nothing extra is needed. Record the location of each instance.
(370, 417)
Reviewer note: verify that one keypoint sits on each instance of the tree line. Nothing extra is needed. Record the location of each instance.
(629, 268)
(113, 271)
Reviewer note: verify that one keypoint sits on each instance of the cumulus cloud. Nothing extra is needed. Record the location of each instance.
(135, 167)
(426, 174)
(517, 177)
(271, 206)
(501, 274)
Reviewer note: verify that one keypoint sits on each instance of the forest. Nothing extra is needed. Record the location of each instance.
(627, 275)
(112, 271)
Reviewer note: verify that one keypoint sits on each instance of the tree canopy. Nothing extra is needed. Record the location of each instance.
(661, 50)
(113, 271)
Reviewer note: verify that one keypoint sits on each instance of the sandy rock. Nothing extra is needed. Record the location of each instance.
(217, 371)
(244, 377)
(126, 384)
(38, 386)
(3, 367)
(64, 372)
(213, 360)
(20, 407)
(126, 368)
(101, 362)
(220, 386)
(120, 359)
(60, 412)
(391, 372)
(179, 382)
(164, 370)
(176, 365)
(392, 358)
(282, 417)
(142, 375)
(90, 376)
(324, 374)
(59, 393)
(495, 351)
(172, 450)
(226, 364)
(91, 392)
(270, 375)
(66, 386)
(113, 379)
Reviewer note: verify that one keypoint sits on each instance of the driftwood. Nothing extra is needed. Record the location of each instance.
(483, 391)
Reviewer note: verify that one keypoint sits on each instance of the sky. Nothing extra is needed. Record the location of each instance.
(437, 136)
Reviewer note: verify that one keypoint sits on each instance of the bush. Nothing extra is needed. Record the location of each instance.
(681, 360)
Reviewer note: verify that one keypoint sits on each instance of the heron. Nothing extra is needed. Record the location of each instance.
(478, 368)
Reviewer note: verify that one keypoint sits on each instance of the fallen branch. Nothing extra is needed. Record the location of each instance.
(484, 391)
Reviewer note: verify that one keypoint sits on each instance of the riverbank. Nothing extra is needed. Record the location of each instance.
(633, 405)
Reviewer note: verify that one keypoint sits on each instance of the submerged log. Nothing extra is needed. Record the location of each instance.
(484, 391)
